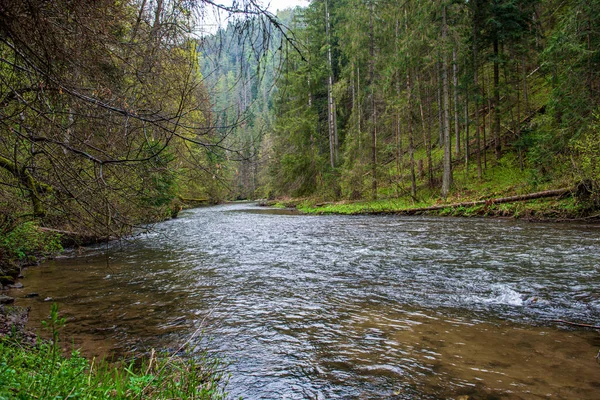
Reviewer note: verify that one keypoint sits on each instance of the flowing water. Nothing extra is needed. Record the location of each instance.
(346, 307)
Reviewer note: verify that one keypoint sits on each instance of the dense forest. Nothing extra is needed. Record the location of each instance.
(434, 99)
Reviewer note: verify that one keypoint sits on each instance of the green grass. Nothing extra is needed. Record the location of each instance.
(43, 372)
(361, 207)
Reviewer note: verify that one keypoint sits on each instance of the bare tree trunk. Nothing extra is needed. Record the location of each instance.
(467, 138)
(359, 111)
(331, 104)
(373, 113)
(497, 144)
(397, 125)
(477, 93)
(447, 175)
(440, 107)
(455, 81)
(411, 144)
(428, 136)
(485, 103)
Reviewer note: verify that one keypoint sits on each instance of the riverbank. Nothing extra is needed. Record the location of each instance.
(556, 205)
(28, 243)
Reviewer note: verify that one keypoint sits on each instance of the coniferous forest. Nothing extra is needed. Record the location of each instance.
(393, 99)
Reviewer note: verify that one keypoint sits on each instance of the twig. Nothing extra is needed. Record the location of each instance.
(576, 324)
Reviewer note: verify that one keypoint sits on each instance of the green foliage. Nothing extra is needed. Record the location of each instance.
(160, 183)
(587, 148)
(362, 207)
(26, 239)
(530, 69)
(43, 372)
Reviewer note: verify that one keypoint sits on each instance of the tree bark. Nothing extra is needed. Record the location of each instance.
(497, 144)
(33, 187)
(411, 141)
(477, 92)
(447, 175)
(331, 113)
(455, 82)
(373, 116)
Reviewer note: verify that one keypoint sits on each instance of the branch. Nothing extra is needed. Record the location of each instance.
(34, 187)
(560, 321)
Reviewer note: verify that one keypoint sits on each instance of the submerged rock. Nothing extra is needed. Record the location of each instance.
(17, 285)
(4, 299)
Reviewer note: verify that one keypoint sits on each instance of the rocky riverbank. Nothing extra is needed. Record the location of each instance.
(13, 322)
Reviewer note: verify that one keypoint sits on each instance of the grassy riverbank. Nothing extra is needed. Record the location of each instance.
(540, 209)
(491, 198)
(43, 371)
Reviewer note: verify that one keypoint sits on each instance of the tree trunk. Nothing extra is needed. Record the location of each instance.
(467, 159)
(331, 117)
(477, 93)
(411, 144)
(447, 175)
(497, 144)
(501, 200)
(456, 119)
(373, 113)
(397, 124)
(428, 137)
(440, 107)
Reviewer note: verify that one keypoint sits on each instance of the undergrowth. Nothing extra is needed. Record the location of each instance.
(26, 239)
(43, 372)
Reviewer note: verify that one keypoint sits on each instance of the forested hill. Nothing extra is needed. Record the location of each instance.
(421, 99)
(241, 64)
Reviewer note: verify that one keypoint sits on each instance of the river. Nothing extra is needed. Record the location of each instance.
(345, 306)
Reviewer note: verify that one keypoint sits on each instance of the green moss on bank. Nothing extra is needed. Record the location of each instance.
(540, 209)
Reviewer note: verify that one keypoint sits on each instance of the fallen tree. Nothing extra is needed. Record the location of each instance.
(489, 202)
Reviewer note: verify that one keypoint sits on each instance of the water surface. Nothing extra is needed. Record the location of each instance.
(346, 307)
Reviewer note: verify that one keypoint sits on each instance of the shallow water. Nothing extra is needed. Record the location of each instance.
(346, 307)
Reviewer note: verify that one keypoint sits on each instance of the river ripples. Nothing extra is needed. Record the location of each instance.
(348, 307)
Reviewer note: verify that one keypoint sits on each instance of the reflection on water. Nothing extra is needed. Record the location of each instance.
(347, 307)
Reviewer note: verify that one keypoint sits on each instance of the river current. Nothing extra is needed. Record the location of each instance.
(307, 307)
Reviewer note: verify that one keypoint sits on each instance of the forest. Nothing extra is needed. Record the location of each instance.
(442, 99)
(119, 114)
(106, 120)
